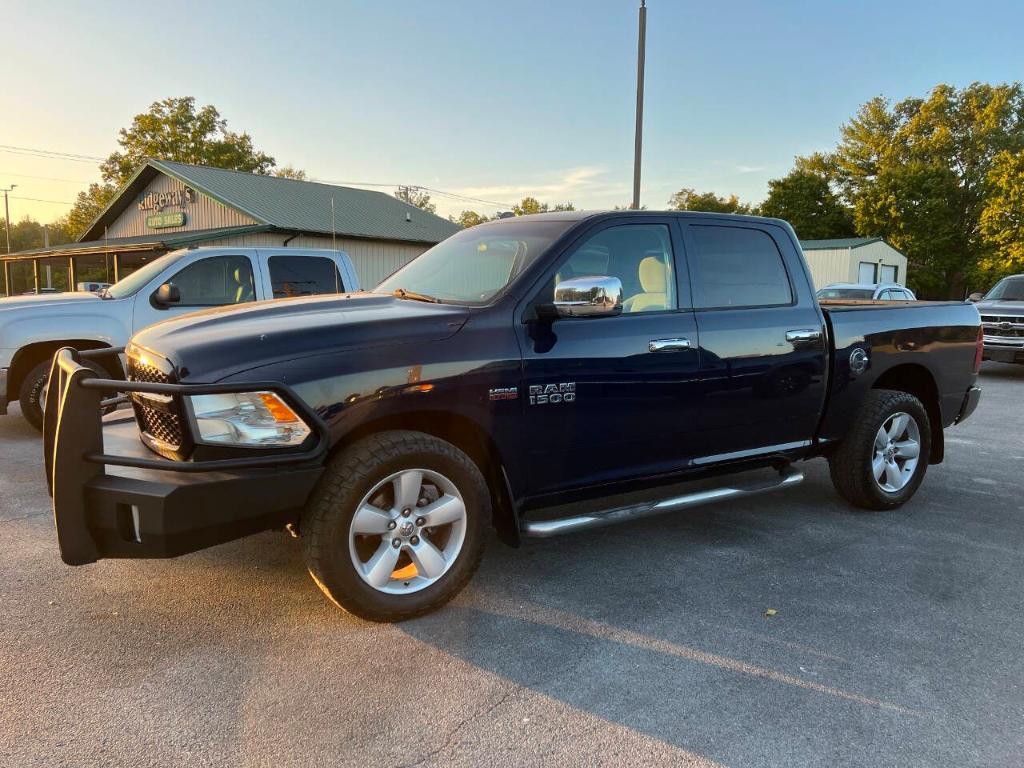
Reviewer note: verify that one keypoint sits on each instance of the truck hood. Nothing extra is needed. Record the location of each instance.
(1000, 307)
(209, 345)
(75, 299)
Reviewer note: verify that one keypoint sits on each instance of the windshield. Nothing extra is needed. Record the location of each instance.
(846, 293)
(134, 282)
(1008, 289)
(474, 265)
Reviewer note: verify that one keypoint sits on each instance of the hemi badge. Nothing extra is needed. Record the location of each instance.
(504, 393)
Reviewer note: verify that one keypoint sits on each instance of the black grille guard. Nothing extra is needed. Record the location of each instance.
(73, 425)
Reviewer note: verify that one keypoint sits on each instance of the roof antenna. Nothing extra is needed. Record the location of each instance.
(334, 232)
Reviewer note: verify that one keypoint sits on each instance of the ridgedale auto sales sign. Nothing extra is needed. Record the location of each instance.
(157, 201)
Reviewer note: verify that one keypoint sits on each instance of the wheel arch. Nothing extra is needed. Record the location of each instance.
(918, 381)
(31, 355)
(467, 436)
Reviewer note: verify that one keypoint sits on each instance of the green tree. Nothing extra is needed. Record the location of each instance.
(172, 129)
(922, 173)
(29, 233)
(1002, 220)
(290, 172)
(416, 196)
(687, 199)
(805, 199)
(529, 205)
(468, 219)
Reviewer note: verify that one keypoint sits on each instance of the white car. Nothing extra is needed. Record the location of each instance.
(866, 291)
(33, 327)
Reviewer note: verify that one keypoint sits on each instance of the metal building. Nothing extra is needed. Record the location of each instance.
(854, 260)
(168, 205)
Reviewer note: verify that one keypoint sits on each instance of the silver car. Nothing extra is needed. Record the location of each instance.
(866, 291)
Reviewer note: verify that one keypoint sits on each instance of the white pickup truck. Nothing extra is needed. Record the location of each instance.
(32, 328)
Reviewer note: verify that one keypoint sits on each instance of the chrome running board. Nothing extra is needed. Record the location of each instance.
(545, 528)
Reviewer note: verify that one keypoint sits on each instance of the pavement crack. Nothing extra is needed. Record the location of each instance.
(452, 736)
(23, 517)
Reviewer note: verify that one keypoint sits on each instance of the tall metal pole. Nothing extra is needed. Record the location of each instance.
(7, 215)
(638, 144)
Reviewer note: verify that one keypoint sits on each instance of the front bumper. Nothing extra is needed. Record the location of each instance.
(1000, 350)
(113, 499)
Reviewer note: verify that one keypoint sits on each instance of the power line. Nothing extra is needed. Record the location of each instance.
(40, 200)
(50, 154)
(46, 178)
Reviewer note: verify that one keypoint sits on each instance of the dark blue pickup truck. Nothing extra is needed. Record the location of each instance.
(541, 375)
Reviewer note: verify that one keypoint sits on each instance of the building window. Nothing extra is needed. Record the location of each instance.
(303, 276)
(54, 274)
(94, 268)
(867, 272)
(22, 278)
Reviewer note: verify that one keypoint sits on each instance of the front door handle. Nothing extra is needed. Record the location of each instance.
(668, 345)
(803, 336)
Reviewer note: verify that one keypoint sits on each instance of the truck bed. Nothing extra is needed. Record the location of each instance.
(932, 343)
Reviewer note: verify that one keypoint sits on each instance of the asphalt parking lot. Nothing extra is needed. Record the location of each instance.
(897, 638)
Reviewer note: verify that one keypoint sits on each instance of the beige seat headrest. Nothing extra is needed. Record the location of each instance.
(652, 275)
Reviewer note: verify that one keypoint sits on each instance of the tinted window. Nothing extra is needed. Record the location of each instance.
(738, 267)
(303, 276)
(216, 281)
(845, 293)
(640, 255)
(1009, 289)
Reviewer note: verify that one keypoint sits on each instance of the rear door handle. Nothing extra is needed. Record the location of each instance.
(803, 335)
(668, 345)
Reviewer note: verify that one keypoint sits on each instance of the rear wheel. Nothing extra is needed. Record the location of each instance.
(396, 527)
(883, 459)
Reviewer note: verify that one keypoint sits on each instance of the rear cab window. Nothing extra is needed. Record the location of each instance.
(303, 276)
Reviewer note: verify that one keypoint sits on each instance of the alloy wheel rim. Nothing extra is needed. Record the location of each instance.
(407, 531)
(896, 452)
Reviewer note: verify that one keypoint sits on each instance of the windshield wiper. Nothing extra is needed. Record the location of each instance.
(401, 293)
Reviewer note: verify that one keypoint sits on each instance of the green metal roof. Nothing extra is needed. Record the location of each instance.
(169, 241)
(842, 242)
(288, 204)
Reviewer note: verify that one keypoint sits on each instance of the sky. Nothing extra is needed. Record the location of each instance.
(486, 100)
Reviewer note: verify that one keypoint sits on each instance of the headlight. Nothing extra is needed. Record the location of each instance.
(248, 418)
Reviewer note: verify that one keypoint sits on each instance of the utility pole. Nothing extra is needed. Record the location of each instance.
(638, 144)
(7, 215)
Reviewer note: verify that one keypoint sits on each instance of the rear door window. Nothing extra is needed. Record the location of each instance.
(738, 267)
(304, 276)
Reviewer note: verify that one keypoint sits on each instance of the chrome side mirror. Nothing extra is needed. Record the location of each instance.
(594, 296)
(166, 295)
(976, 297)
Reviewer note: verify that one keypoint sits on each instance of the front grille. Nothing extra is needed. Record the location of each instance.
(158, 418)
(1010, 326)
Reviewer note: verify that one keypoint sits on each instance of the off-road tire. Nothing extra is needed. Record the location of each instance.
(32, 388)
(31, 391)
(850, 464)
(349, 476)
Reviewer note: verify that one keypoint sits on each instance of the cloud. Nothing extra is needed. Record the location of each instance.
(578, 184)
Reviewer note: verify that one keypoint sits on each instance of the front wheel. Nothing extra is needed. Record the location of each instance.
(396, 527)
(882, 461)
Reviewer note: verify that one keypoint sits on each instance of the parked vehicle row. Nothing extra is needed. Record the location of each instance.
(1002, 316)
(33, 328)
(543, 375)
